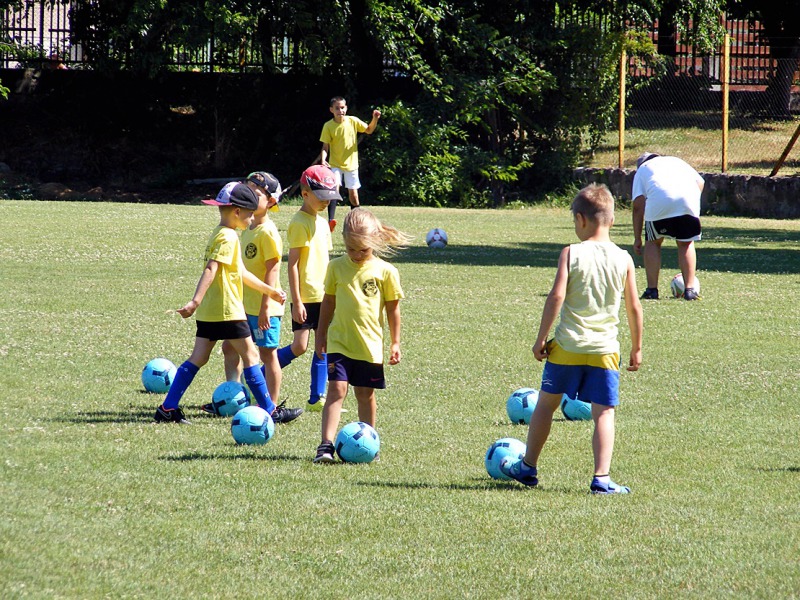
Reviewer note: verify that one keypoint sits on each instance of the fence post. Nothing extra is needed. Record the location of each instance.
(623, 59)
(726, 76)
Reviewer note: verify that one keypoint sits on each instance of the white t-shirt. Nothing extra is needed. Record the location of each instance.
(669, 186)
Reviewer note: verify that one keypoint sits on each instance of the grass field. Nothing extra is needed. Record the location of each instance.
(98, 502)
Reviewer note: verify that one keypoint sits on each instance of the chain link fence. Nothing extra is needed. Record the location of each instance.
(678, 108)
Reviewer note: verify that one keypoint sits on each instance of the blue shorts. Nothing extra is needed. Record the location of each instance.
(589, 377)
(359, 373)
(265, 338)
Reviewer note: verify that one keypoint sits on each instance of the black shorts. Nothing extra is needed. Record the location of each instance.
(359, 373)
(223, 330)
(312, 317)
(685, 228)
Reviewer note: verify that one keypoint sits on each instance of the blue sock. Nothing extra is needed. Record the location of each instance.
(285, 355)
(258, 385)
(319, 377)
(183, 379)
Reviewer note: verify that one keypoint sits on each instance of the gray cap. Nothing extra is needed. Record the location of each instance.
(644, 157)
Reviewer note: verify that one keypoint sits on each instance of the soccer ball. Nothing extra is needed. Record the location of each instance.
(229, 398)
(357, 442)
(575, 410)
(436, 238)
(498, 452)
(677, 286)
(520, 405)
(252, 425)
(158, 375)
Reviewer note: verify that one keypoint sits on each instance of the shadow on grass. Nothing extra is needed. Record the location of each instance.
(207, 456)
(478, 485)
(741, 254)
(779, 469)
(135, 415)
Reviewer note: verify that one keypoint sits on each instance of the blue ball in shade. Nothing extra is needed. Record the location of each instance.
(575, 410)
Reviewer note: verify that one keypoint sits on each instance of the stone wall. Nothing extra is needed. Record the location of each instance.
(723, 194)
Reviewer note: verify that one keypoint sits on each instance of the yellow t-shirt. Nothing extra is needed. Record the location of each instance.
(595, 288)
(259, 245)
(313, 236)
(223, 300)
(361, 293)
(343, 140)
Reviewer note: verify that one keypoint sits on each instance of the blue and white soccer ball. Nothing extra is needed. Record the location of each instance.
(576, 410)
(252, 425)
(520, 405)
(436, 238)
(158, 375)
(677, 287)
(229, 398)
(502, 449)
(357, 442)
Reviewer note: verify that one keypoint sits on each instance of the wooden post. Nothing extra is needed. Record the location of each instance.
(726, 76)
(786, 151)
(623, 72)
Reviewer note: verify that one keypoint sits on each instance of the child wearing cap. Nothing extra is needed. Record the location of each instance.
(339, 139)
(217, 304)
(262, 250)
(309, 239)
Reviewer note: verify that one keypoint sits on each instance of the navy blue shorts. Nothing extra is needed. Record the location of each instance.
(359, 373)
(312, 317)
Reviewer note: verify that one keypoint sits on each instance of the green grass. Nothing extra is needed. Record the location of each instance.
(754, 144)
(100, 502)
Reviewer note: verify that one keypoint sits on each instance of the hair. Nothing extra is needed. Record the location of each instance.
(336, 99)
(364, 228)
(596, 203)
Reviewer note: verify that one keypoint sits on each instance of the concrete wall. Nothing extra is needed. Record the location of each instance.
(733, 195)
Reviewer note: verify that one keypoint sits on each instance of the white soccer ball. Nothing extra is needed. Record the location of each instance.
(229, 398)
(502, 449)
(436, 238)
(252, 425)
(520, 405)
(158, 375)
(678, 287)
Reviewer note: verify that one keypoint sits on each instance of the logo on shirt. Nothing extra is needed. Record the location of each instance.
(251, 250)
(370, 288)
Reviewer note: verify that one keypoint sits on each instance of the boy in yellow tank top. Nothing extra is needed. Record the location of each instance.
(583, 357)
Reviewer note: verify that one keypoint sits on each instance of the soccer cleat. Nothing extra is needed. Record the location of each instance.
(209, 408)
(650, 294)
(690, 294)
(519, 471)
(281, 414)
(170, 416)
(332, 224)
(316, 405)
(610, 488)
(325, 453)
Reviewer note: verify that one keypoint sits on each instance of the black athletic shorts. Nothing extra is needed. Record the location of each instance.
(223, 330)
(312, 317)
(685, 228)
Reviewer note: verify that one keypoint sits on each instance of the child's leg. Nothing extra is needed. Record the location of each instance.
(331, 412)
(367, 407)
(233, 364)
(187, 371)
(353, 197)
(603, 438)
(319, 378)
(272, 372)
(297, 348)
(541, 422)
(252, 372)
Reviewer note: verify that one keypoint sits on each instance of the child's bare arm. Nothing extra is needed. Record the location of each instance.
(254, 282)
(270, 278)
(393, 316)
(326, 152)
(633, 308)
(326, 310)
(293, 268)
(373, 124)
(209, 272)
(552, 306)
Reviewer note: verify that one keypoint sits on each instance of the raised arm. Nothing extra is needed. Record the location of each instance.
(376, 115)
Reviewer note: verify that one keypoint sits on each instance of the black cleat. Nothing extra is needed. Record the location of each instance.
(650, 294)
(281, 414)
(691, 294)
(325, 453)
(171, 416)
